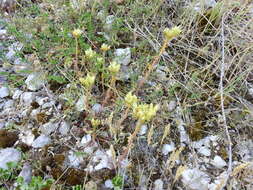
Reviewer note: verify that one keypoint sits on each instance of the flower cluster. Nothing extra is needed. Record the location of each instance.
(105, 47)
(95, 122)
(77, 33)
(114, 68)
(88, 81)
(145, 112)
(89, 53)
(171, 33)
(130, 100)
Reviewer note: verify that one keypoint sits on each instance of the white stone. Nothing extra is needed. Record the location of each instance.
(202, 142)
(108, 184)
(108, 23)
(122, 56)
(27, 137)
(9, 104)
(204, 151)
(48, 104)
(184, 138)
(86, 139)
(48, 128)
(195, 179)
(80, 104)
(41, 100)
(2, 124)
(41, 141)
(204, 4)
(158, 184)
(218, 162)
(74, 160)
(172, 105)
(64, 128)
(17, 93)
(104, 159)
(97, 108)
(10, 55)
(3, 32)
(143, 130)
(168, 148)
(9, 155)
(34, 113)
(245, 150)
(27, 97)
(26, 173)
(35, 81)
(17, 46)
(4, 92)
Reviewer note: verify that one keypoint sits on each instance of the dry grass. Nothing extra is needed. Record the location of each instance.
(207, 70)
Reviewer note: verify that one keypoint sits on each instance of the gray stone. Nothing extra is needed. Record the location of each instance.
(17, 93)
(48, 128)
(26, 173)
(218, 162)
(168, 148)
(4, 92)
(97, 108)
(10, 55)
(122, 56)
(64, 128)
(35, 81)
(143, 130)
(9, 155)
(158, 184)
(74, 160)
(28, 97)
(3, 32)
(109, 22)
(245, 150)
(41, 141)
(2, 124)
(195, 179)
(204, 151)
(80, 104)
(9, 104)
(172, 105)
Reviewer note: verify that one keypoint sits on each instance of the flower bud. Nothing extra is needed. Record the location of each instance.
(89, 53)
(88, 81)
(105, 47)
(95, 122)
(171, 33)
(114, 68)
(130, 100)
(77, 33)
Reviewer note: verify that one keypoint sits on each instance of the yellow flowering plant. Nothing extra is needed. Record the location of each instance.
(89, 53)
(77, 33)
(114, 68)
(130, 100)
(88, 81)
(105, 47)
(169, 34)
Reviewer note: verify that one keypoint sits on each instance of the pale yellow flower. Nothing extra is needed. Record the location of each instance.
(89, 53)
(88, 81)
(105, 47)
(77, 33)
(130, 100)
(114, 68)
(95, 122)
(171, 33)
(145, 112)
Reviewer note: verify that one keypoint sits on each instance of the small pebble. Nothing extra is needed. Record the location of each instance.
(4, 92)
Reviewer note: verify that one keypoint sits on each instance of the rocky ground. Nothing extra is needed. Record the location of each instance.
(47, 139)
